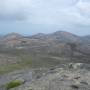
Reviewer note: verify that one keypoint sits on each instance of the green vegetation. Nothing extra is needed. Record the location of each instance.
(31, 61)
(12, 67)
(13, 84)
(25, 59)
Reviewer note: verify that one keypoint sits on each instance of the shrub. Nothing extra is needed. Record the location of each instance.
(13, 84)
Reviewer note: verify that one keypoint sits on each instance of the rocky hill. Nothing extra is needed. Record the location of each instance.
(54, 43)
(56, 61)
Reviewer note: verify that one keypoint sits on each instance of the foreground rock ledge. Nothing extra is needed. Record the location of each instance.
(60, 78)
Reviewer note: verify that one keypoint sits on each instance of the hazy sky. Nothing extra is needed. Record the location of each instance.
(33, 16)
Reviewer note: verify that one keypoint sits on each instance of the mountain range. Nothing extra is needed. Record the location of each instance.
(57, 43)
(42, 50)
(60, 60)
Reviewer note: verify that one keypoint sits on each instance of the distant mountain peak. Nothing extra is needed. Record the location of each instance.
(39, 36)
(12, 35)
(63, 33)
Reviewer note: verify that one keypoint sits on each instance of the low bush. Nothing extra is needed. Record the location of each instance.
(13, 84)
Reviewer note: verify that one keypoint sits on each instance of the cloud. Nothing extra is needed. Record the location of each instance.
(46, 12)
(13, 9)
(22, 9)
(84, 8)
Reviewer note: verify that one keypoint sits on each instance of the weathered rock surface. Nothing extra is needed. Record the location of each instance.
(58, 78)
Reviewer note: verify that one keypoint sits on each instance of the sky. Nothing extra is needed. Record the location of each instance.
(45, 16)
